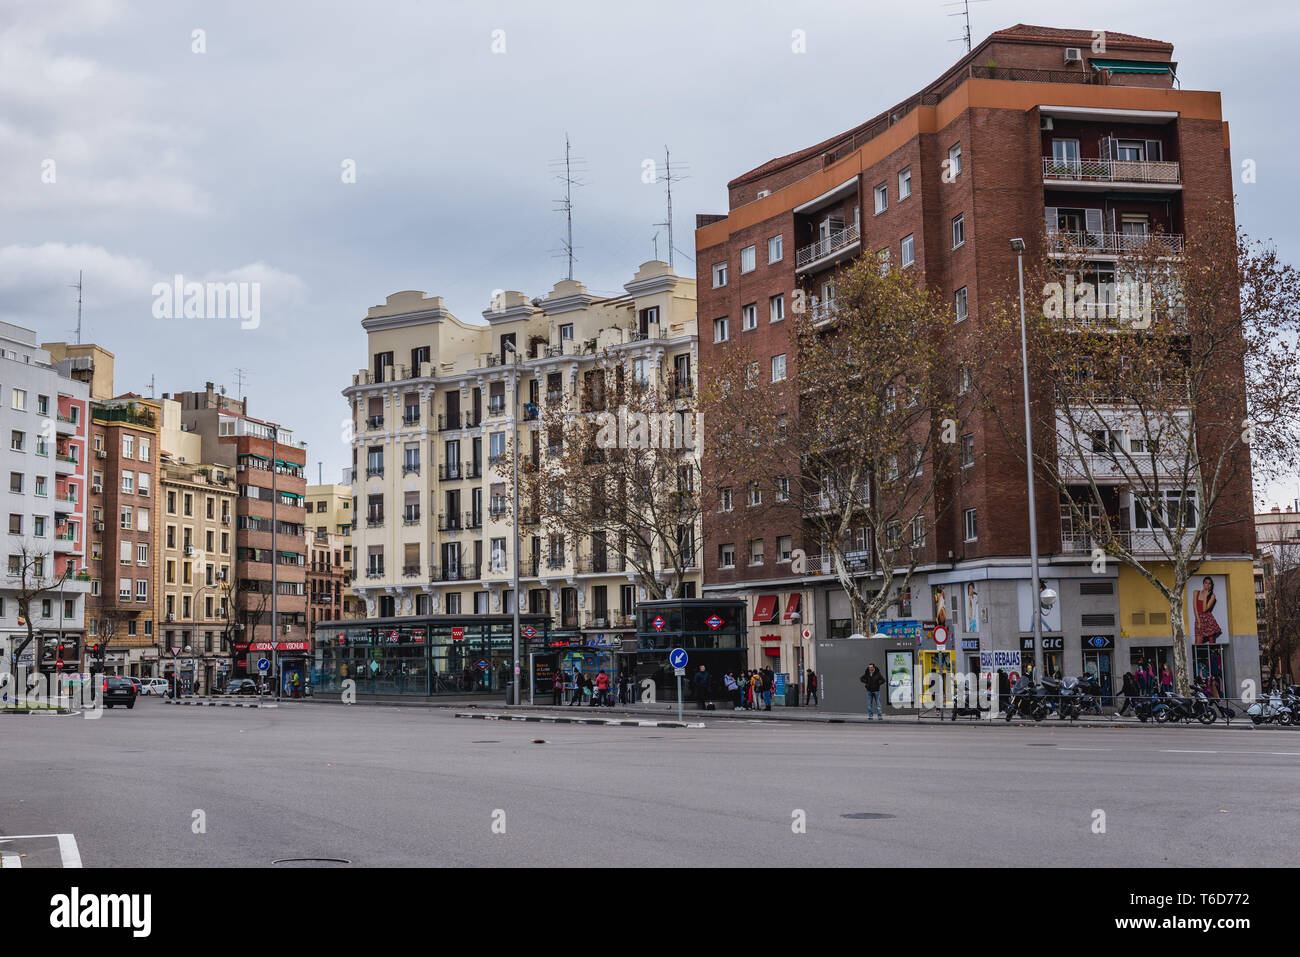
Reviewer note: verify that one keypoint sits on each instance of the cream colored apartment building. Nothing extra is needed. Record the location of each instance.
(432, 413)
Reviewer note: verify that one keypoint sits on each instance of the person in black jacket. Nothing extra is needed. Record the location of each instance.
(700, 681)
(1004, 690)
(1130, 691)
(873, 678)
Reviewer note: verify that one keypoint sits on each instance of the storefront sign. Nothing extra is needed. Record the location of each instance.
(970, 644)
(458, 633)
(1006, 660)
(1050, 643)
(1099, 642)
(279, 646)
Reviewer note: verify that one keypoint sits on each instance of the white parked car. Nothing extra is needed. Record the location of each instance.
(156, 686)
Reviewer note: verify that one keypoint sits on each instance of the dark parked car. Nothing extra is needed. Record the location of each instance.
(117, 690)
(135, 683)
(241, 686)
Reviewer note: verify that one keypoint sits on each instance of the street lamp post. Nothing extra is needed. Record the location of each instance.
(1018, 247)
(514, 517)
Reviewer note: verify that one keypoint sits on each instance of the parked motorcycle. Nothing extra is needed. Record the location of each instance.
(1208, 709)
(1026, 701)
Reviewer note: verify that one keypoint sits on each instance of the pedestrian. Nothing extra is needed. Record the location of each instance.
(588, 688)
(733, 689)
(1130, 691)
(602, 688)
(700, 680)
(622, 688)
(755, 690)
(872, 679)
(557, 688)
(1166, 679)
(1004, 690)
(812, 689)
(577, 688)
(769, 679)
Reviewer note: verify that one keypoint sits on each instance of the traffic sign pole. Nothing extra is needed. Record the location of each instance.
(677, 658)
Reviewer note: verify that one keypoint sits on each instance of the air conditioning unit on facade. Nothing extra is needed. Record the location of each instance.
(1045, 124)
(99, 526)
(101, 453)
(97, 489)
(240, 468)
(1073, 55)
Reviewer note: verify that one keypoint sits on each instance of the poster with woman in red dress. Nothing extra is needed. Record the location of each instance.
(1206, 614)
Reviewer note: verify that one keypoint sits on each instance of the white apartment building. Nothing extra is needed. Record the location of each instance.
(432, 413)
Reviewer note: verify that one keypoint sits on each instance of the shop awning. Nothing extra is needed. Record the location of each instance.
(792, 606)
(1131, 66)
(765, 608)
(772, 652)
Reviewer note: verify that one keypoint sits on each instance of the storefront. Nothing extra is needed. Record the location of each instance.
(1053, 653)
(423, 656)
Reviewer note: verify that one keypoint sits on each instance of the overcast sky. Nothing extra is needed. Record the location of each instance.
(227, 164)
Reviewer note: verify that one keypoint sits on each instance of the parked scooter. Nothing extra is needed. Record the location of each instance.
(1208, 709)
(1270, 709)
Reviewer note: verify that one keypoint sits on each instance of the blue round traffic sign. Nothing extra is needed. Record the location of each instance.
(263, 664)
(678, 657)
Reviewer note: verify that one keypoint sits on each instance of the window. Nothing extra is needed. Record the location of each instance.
(783, 488)
(883, 256)
(776, 308)
(128, 446)
(141, 590)
(16, 483)
(756, 552)
(727, 556)
(127, 514)
(749, 317)
(775, 249)
(918, 531)
(726, 499)
(719, 275)
(15, 524)
(747, 260)
(882, 198)
(967, 450)
(188, 499)
(43, 407)
(16, 441)
(566, 335)
(784, 548)
(142, 484)
(954, 160)
(144, 449)
(124, 589)
(778, 368)
(972, 526)
(41, 488)
(959, 300)
(908, 249)
(38, 526)
(20, 400)
(755, 495)
(958, 230)
(124, 553)
(720, 330)
(751, 375)
(98, 441)
(905, 183)
(171, 503)
(963, 380)
(141, 553)
(128, 482)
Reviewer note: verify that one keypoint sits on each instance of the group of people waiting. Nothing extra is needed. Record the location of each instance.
(593, 691)
(750, 690)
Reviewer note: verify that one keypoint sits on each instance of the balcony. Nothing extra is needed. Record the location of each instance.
(375, 520)
(411, 416)
(1149, 544)
(374, 572)
(680, 389)
(374, 422)
(1062, 244)
(473, 519)
(530, 411)
(65, 425)
(65, 503)
(554, 396)
(65, 464)
(375, 471)
(449, 472)
(836, 243)
(498, 511)
(410, 571)
(411, 468)
(448, 421)
(449, 522)
(497, 405)
(411, 517)
(453, 573)
(1099, 173)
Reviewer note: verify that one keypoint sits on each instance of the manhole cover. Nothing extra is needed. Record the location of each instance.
(312, 861)
(866, 816)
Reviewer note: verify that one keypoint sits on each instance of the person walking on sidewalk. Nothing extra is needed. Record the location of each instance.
(872, 679)
(577, 689)
(755, 690)
(1129, 691)
(768, 681)
(557, 688)
(602, 687)
(811, 685)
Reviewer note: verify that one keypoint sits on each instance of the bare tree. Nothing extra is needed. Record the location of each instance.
(31, 575)
(1157, 378)
(1281, 623)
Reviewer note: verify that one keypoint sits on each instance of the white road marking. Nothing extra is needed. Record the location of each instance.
(1177, 751)
(67, 846)
(10, 860)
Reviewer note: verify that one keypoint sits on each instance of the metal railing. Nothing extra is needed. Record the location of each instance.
(447, 523)
(1112, 170)
(1113, 244)
(825, 247)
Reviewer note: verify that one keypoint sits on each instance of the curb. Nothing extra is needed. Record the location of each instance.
(55, 711)
(545, 719)
(222, 704)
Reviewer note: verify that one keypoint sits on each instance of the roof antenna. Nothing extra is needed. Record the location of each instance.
(78, 288)
(965, 13)
(571, 165)
(669, 177)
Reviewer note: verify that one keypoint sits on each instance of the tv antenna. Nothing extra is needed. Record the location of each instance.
(964, 13)
(240, 375)
(655, 239)
(669, 177)
(568, 171)
(78, 288)
(151, 385)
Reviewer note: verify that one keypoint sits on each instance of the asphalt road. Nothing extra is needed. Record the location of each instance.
(382, 786)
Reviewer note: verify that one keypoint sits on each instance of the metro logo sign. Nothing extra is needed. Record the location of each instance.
(658, 623)
(714, 622)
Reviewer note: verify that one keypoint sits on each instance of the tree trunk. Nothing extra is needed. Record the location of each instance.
(1182, 684)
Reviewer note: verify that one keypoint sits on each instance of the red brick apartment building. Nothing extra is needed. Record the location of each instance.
(1006, 124)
